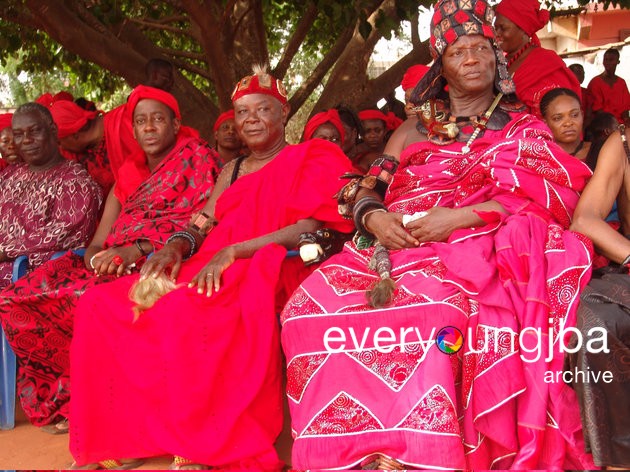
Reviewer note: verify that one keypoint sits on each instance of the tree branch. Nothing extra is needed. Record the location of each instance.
(320, 71)
(296, 40)
(192, 68)
(195, 56)
(415, 33)
(162, 27)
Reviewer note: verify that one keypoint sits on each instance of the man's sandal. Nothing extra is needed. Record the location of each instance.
(181, 463)
(60, 427)
(111, 464)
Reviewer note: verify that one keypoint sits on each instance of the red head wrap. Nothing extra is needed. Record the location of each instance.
(413, 76)
(228, 115)
(331, 116)
(45, 99)
(69, 117)
(5, 120)
(526, 14)
(142, 92)
(451, 20)
(63, 96)
(260, 82)
(391, 121)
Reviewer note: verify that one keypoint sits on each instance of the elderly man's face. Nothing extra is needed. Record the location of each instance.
(469, 65)
(259, 120)
(35, 138)
(155, 128)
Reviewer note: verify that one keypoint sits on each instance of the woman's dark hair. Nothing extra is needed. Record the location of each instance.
(552, 95)
(601, 126)
(350, 118)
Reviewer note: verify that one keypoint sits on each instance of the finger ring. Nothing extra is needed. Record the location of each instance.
(117, 260)
(208, 276)
(92, 261)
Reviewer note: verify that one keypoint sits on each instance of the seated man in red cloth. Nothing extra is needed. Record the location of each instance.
(609, 92)
(147, 203)
(198, 375)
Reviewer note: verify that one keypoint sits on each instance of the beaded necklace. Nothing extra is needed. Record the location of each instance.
(519, 53)
(443, 128)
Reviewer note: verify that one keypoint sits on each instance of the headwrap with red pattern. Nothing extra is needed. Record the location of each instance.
(260, 82)
(331, 116)
(451, 20)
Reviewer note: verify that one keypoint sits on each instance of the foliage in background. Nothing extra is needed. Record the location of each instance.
(320, 48)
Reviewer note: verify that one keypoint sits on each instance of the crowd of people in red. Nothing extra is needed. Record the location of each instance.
(494, 202)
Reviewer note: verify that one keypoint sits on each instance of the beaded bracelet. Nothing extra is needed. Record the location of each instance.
(188, 237)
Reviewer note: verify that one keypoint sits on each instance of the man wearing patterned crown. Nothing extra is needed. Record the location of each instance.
(197, 375)
(463, 225)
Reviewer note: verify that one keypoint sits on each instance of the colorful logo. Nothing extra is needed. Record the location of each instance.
(449, 340)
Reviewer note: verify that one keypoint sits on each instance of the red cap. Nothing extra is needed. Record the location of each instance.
(331, 116)
(70, 117)
(260, 82)
(228, 115)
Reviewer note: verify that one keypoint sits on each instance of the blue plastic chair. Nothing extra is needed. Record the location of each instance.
(7, 362)
(7, 356)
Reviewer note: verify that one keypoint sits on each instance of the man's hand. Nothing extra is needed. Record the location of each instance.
(388, 229)
(209, 278)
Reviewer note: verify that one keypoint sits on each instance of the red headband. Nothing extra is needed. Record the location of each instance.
(142, 92)
(70, 117)
(261, 82)
(526, 14)
(413, 76)
(5, 120)
(228, 115)
(391, 121)
(331, 116)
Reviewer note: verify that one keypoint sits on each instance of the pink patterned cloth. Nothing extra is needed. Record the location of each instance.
(44, 212)
(473, 410)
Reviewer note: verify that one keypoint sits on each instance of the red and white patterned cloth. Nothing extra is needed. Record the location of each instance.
(427, 409)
